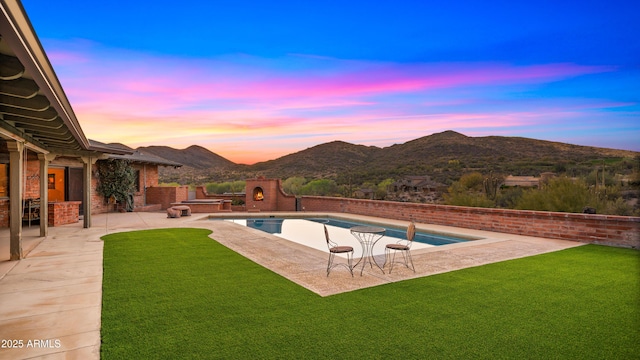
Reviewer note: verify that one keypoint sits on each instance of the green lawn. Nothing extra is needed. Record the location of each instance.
(175, 293)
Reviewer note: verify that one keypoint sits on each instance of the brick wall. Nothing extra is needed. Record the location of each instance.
(32, 180)
(165, 195)
(621, 231)
(148, 177)
(4, 213)
(62, 213)
(274, 198)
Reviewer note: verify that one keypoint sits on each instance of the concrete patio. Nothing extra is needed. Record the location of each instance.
(50, 302)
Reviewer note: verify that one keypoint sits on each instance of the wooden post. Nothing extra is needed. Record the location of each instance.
(16, 170)
(88, 161)
(44, 159)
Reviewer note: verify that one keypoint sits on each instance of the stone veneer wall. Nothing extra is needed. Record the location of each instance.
(623, 231)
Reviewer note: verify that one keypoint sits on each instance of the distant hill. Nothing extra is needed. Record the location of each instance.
(444, 156)
(322, 161)
(194, 156)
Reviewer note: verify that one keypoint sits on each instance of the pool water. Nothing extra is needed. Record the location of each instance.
(310, 232)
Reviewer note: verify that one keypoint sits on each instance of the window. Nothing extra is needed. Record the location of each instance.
(137, 181)
(4, 180)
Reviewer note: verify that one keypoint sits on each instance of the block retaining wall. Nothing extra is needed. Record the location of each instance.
(622, 231)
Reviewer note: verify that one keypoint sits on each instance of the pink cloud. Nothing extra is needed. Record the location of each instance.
(251, 111)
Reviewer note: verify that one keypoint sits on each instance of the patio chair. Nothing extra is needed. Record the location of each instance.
(338, 249)
(403, 246)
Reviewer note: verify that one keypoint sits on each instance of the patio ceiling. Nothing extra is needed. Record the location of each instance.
(33, 105)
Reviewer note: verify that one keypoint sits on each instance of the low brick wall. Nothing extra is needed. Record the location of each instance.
(623, 231)
(59, 213)
(4, 213)
(166, 195)
(62, 213)
(207, 207)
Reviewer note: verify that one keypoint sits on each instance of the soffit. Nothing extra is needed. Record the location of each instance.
(33, 105)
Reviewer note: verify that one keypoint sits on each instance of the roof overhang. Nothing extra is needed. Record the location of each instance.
(33, 105)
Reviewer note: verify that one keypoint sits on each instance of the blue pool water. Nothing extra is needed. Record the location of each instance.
(292, 228)
(422, 237)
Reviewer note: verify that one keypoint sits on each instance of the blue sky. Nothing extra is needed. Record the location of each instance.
(252, 81)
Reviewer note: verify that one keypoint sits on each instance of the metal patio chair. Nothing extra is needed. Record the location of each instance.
(338, 249)
(403, 246)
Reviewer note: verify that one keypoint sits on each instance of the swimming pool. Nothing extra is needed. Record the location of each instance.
(309, 232)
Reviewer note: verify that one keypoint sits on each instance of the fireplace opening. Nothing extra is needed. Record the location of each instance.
(258, 194)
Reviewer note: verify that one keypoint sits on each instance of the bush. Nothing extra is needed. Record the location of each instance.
(321, 187)
(560, 194)
(116, 179)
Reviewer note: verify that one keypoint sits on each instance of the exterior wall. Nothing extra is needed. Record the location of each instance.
(166, 195)
(62, 213)
(32, 180)
(623, 231)
(148, 178)
(274, 197)
(4, 213)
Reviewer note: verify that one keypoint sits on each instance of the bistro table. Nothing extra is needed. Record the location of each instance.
(368, 236)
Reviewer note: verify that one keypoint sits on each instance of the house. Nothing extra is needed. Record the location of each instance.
(521, 181)
(415, 184)
(47, 165)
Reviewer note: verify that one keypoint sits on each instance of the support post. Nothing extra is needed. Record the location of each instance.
(87, 161)
(16, 170)
(44, 159)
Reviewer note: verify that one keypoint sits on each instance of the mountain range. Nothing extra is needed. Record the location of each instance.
(443, 156)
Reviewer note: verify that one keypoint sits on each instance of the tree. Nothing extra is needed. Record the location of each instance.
(293, 184)
(116, 179)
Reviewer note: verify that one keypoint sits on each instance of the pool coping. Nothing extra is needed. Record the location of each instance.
(307, 267)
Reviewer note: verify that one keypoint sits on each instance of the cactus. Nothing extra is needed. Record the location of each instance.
(491, 184)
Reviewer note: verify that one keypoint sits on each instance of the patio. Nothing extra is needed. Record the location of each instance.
(55, 292)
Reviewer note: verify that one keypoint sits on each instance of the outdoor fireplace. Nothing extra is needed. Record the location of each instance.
(266, 195)
(258, 194)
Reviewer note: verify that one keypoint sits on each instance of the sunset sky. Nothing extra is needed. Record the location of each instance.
(253, 81)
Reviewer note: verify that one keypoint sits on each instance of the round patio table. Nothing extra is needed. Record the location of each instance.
(368, 236)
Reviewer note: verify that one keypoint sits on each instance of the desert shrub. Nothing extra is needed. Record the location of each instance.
(509, 197)
(170, 184)
(320, 187)
(619, 206)
(293, 184)
(560, 194)
(472, 181)
(237, 186)
(468, 191)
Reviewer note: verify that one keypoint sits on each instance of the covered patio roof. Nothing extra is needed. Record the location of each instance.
(33, 105)
(36, 116)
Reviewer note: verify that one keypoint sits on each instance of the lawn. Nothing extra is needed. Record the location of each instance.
(175, 293)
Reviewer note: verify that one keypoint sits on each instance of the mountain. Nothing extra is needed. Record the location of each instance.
(444, 156)
(321, 161)
(194, 156)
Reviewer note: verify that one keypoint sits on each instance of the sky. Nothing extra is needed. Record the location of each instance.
(256, 80)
